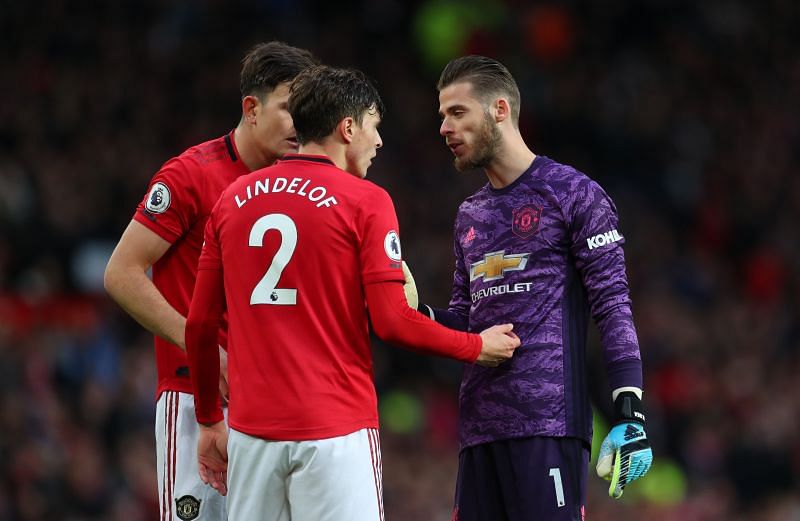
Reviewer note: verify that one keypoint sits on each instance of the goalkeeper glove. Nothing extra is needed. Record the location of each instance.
(410, 287)
(625, 454)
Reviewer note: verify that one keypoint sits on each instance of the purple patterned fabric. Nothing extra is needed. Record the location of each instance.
(541, 253)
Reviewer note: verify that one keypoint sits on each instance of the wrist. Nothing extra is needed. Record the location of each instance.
(628, 408)
(426, 310)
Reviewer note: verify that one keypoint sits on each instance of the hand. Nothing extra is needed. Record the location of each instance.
(410, 287)
(224, 392)
(625, 454)
(212, 456)
(499, 343)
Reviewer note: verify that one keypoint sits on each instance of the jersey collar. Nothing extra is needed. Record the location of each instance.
(230, 144)
(308, 157)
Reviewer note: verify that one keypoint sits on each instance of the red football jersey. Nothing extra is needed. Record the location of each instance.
(176, 207)
(299, 241)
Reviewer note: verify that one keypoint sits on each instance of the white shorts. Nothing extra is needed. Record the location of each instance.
(181, 494)
(335, 479)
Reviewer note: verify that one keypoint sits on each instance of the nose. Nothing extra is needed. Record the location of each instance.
(445, 128)
(378, 141)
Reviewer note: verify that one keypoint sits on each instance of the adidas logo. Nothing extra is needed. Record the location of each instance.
(470, 236)
(631, 433)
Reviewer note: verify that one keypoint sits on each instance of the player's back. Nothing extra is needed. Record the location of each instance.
(291, 238)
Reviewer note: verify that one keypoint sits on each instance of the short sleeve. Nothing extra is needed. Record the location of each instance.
(379, 239)
(170, 206)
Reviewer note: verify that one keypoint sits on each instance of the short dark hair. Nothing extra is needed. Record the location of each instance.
(488, 78)
(267, 65)
(322, 96)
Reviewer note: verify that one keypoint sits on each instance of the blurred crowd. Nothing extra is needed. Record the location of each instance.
(686, 112)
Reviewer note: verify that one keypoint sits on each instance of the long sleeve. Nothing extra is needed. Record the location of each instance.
(396, 323)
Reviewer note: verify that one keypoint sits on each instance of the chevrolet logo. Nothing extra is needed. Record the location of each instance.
(495, 265)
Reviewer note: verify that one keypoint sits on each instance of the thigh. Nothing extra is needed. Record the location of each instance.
(182, 495)
(337, 479)
(527, 479)
(479, 496)
(257, 473)
(545, 477)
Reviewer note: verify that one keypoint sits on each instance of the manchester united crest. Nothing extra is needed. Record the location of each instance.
(188, 507)
(526, 220)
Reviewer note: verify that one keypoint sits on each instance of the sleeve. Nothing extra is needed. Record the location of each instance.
(379, 239)
(170, 206)
(211, 254)
(211, 259)
(456, 315)
(202, 329)
(596, 246)
(396, 323)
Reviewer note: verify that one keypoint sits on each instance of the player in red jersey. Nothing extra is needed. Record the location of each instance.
(167, 233)
(294, 251)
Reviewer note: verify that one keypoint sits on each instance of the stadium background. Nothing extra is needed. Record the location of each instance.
(686, 112)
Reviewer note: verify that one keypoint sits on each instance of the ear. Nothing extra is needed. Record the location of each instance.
(346, 129)
(502, 110)
(249, 105)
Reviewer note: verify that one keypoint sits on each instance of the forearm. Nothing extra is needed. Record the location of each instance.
(202, 327)
(446, 317)
(133, 290)
(396, 323)
(204, 367)
(620, 348)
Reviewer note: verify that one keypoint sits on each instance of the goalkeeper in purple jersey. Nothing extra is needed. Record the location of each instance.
(539, 246)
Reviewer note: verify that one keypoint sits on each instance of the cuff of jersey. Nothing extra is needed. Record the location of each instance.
(426, 310)
(148, 221)
(209, 418)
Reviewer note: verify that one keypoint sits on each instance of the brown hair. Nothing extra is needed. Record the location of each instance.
(322, 96)
(267, 65)
(488, 78)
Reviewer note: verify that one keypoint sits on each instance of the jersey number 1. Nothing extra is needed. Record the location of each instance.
(265, 291)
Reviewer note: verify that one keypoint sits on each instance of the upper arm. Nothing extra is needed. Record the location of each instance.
(138, 247)
(459, 297)
(379, 248)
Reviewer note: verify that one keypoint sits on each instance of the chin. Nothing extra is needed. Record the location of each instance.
(462, 164)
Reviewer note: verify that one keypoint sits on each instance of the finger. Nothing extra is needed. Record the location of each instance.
(203, 471)
(504, 328)
(603, 467)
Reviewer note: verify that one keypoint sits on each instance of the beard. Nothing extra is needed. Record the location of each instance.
(484, 147)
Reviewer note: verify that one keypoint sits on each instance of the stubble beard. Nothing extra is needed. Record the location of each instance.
(485, 147)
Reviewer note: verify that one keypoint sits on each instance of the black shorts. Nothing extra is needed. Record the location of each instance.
(526, 479)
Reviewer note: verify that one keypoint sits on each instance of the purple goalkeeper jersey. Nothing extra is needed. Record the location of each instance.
(541, 253)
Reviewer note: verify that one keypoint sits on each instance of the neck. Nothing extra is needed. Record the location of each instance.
(327, 148)
(248, 151)
(511, 161)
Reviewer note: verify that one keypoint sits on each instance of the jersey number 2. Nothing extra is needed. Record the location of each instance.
(265, 291)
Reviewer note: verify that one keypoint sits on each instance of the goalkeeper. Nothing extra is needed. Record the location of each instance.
(540, 246)
(625, 453)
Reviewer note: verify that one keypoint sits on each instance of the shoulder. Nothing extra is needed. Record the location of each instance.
(561, 178)
(195, 166)
(568, 185)
(365, 193)
(208, 152)
(476, 199)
